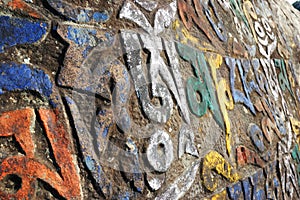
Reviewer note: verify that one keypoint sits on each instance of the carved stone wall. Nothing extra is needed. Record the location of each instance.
(146, 99)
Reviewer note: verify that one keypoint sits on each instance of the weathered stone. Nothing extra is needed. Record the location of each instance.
(192, 99)
(246, 156)
(186, 142)
(160, 151)
(16, 31)
(155, 181)
(28, 79)
(147, 4)
(214, 161)
(29, 168)
(21, 5)
(182, 184)
(78, 13)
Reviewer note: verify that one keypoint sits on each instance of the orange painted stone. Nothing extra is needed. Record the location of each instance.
(19, 124)
(23, 6)
(246, 156)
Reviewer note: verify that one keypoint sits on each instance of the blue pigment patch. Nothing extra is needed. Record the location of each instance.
(83, 16)
(22, 77)
(77, 13)
(82, 36)
(86, 51)
(125, 196)
(89, 163)
(105, 132)
(69, 100)
(100, 16)
(14, 31)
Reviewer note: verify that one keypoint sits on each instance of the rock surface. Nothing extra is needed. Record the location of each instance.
(147, 99)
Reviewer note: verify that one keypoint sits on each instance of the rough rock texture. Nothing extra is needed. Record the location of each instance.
(145, 99)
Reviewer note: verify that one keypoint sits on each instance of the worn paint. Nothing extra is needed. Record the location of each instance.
(131, 12)
(236, 7)
(260, 77)
(288, 178)
(102, 76)
(239, 96)
(29, 168)
(296, 128)
(147, 4)
(93, 76)
(256, 136)
(218, 26)
(220, 196)
(164, 17)
(269, 129)
(224, 95)
(250, 14)
(184, 37)
(194, 13)
(158, 114)
(267, 40)
(186, 142)
(83, 41)
(22, 6)
(271, 75)
(272, 183)
(17, 31)
(130, 163)
(201, 84)
(89, 152)
(296, 156)
(246, 156)
(245, 36)
(17, 77)
(155, 181)
(247, 189)
(180, 95)
(235, 192)
(158, 69)
(215, 161)
(181, 185)
(160, 151)
(78, 13)
(283, 77)
(257, 191)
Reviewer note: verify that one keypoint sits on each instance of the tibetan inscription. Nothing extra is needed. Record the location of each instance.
(148, 99)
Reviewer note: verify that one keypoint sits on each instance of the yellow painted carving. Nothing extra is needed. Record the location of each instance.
(296, 128)
(184, 37)
(224, 95)
(250, 13)
(221, 196)
(289, 74)
(215, 161)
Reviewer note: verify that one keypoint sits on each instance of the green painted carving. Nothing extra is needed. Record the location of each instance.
(201, 85)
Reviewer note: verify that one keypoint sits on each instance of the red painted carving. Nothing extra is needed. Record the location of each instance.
(246, 156)
(19, 123)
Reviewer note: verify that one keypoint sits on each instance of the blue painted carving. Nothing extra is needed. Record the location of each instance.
(256, 179)
(247, 189)
(78, 13)
(235, 192)
(239, 96)
(256, 136)
(16, 77)
(15, 31)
